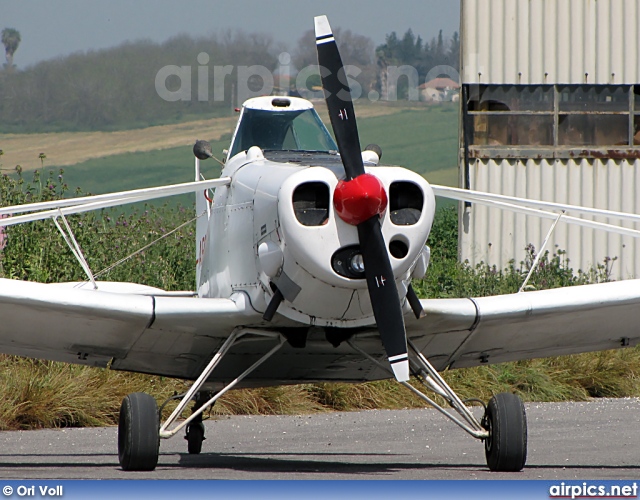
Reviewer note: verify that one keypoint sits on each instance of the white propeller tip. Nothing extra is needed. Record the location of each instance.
(401, 370)
(322, 27)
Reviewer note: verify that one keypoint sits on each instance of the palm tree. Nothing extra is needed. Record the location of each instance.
(10, 39)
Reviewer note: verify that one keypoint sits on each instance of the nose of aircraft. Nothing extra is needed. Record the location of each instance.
(359, 199)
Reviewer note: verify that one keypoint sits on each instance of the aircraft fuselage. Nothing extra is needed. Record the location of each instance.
(275, 227)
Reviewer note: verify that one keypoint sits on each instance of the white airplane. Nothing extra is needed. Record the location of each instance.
(305, 258)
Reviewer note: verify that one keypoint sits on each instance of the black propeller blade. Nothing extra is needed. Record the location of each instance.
(383, 292)
(384, 296)
(338, 97)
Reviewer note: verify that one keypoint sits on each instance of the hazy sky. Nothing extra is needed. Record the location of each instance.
(54, 28)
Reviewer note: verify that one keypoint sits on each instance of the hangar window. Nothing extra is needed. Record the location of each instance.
(593, 115)
(511, 98)
(511, 115)
(636, 117)
(550, 120)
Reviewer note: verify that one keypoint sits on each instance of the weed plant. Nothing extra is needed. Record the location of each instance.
(38, 393)
(37, 252)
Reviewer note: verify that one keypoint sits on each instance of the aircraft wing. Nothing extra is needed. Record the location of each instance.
(131, 326)
(459, 333)
(144, 329)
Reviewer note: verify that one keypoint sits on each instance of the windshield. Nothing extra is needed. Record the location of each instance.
(282, 131)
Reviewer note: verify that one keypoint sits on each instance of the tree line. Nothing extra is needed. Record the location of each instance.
(412, 50)
(116, 88)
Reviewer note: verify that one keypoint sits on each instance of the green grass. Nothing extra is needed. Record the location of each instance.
(61, 127)
(138, 170)
(423, 140)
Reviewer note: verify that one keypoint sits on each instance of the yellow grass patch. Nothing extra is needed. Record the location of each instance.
(69, 148)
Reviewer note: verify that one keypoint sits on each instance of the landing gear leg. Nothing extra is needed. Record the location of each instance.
(138, 438)
(506, 422)
(503, 427)
(139, 429)
(195, 429)
(168, 429)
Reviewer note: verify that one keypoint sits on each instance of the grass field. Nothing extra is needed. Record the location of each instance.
(423, 139)
(70, 148)
(137, 170)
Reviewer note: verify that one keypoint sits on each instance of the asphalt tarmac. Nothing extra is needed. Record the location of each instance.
(599, 439)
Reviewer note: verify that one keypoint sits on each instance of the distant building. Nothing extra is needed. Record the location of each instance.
(550, 110)
(439, 89)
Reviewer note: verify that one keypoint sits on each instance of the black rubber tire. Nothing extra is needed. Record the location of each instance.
(195, 437)
(138, 433)
(506, 421)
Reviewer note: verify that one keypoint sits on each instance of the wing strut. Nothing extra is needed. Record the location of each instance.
(540, 253)
(73, 245)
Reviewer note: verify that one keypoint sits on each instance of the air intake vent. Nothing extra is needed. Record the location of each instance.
(405, 203)
(311, 203)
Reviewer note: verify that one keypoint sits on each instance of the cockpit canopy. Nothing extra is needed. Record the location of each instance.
(281, 124)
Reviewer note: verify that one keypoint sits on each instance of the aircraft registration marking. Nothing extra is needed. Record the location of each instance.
(203, 247)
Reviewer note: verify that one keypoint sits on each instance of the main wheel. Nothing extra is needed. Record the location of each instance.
(506, 421)
(138, 432)
(194, 437)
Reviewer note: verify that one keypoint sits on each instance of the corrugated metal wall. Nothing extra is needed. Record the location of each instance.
(496, 236)
(550, 41)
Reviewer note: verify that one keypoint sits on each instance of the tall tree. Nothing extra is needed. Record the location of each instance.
(10, 39)
(440, 46)
(454, 51)
(356, 50)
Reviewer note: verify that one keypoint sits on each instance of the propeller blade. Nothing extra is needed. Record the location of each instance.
(360, 200)
(383, 293)
(338, 97)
